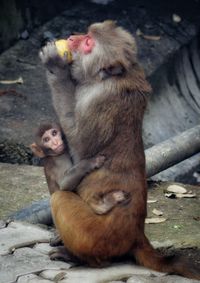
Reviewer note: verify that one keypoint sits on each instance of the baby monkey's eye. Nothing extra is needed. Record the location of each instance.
(54, 132)
(45, 139)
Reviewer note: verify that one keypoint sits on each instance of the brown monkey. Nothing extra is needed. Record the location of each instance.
(60, 172)
(100, 100)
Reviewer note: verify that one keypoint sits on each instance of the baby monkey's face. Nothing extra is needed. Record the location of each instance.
(52, 139)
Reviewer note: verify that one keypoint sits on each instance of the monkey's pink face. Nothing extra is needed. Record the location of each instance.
(52, 139)
(81, 43)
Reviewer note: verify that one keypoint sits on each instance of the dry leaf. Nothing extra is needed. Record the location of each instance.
(17, 81)
(176, 189)
(170, 195)
(59, 276)
(177, 227)
(155, 220)
(138, 32)
(146, 36)
(151, 37)
(186, 195)
(157, 212)
(176, 18)
(152, 200)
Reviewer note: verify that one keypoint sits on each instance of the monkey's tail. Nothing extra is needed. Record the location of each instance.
(147, 256)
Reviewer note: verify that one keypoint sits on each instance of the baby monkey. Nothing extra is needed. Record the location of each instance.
(61, 174)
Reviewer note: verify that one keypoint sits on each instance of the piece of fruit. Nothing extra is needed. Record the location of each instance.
(62, 48)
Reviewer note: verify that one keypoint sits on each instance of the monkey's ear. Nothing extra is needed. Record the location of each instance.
(37, 151)
(111, 71)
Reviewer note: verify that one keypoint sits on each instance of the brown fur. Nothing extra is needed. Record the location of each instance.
(110, 90)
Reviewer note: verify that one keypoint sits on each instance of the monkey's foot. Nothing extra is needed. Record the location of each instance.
(55, 241)
(121, 197)
(116, 197)
(60, 253)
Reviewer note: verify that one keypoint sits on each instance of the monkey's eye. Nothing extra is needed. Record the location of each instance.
(54, 133)
(46, 139)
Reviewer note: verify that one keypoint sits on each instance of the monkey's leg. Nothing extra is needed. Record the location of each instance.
(103, 204)
(81, 230)
(74, 176)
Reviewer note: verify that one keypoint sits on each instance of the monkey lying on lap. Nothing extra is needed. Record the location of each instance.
(62, 175)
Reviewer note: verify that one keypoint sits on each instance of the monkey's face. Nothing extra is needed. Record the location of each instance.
(109, 46)
(52, 139)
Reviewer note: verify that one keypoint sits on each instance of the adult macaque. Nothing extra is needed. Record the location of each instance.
(100, 100)
(62, 175)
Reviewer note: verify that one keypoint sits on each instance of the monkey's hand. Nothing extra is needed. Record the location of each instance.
(97, 162)
(54, 63)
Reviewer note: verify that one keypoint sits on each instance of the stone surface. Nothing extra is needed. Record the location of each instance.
(32, 278)
(53, 274)
(19, 234)
(24, 261)
(43, 248)
(163, 279)
(27, 278)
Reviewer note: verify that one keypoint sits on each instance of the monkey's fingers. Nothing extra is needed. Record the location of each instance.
(99, 161)
(59, 256)
(126, 199)
(51, 59)
(55, 241)
(47, 52)
(61, 253)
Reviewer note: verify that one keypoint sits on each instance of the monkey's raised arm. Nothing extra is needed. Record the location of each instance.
(62, 87)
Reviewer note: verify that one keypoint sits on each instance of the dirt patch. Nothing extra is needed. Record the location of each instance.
(20, 185)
